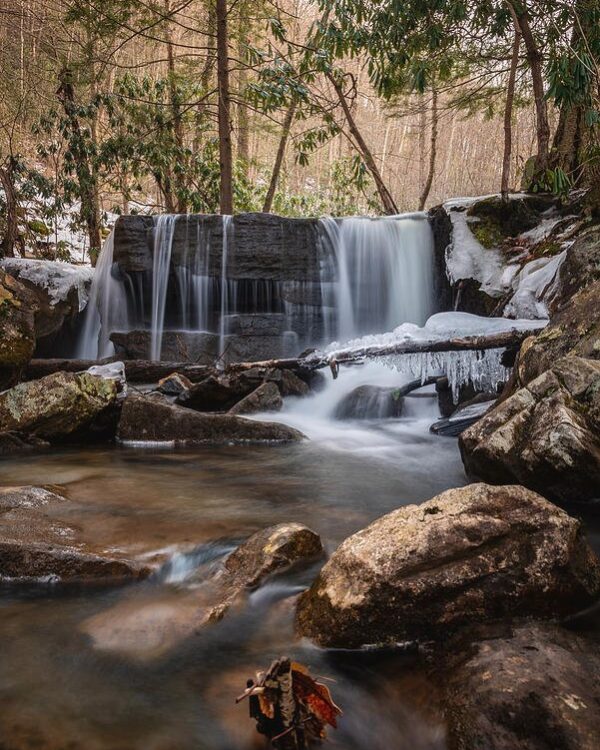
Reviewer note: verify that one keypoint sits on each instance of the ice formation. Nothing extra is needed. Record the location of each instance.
(56, 277)
(534, 286)
(483, 368)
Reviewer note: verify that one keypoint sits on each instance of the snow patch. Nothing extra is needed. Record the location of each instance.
(56, 277)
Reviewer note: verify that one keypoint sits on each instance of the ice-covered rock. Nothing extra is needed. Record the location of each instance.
(534, 286)
(56, 277)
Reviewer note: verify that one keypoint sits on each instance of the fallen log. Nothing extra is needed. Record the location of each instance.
(136, 370)
(146, 371)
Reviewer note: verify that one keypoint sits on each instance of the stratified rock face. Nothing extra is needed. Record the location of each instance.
(151, 419)
(177, 346)
(545, 436)
(17, 329)
(58, 405)
(468, 555)
(370, 402)
(265, 398)
(535, 688)
(146, 630)
(36, 546)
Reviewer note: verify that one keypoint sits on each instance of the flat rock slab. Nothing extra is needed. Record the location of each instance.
(474, 554)
(36, 545)
(154, 420)
(537, 687)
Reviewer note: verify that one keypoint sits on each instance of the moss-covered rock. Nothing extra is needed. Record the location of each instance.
(57, 406)
(17, 329)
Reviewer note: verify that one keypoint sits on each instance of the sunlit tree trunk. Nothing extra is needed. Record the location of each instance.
(432, 150)
(225, 150)
(285, 132)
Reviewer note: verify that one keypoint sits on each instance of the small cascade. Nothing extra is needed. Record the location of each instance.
(107, 308)
(163, 243)
(383, 269)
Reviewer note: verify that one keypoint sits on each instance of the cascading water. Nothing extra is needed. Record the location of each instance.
(163, 243)
(384, 270)
(374, 275)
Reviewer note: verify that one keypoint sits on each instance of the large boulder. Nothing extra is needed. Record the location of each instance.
(38, 546)
(534, 687)
(17, 329)
(154, 419)
(545, 436)
(147, 629)
(468, 555)
(60, 406)
(265, 398)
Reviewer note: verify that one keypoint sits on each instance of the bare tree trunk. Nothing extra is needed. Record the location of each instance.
(387, 201)
(285, 132)
(205, 77)
(508, 109)
(86, 173)
(433, 150)
(225, 151)
(11, 235)
(243, 132)
(535, 59)
(178, 179)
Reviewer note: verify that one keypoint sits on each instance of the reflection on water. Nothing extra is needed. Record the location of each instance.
(70, 679)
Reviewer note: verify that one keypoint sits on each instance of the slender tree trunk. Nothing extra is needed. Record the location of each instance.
(178, 178)
(11, 235)
(432, 150)
(535, 60)
(86, 173)
(508, 110)
(225, 151)
(243, 131)
(285, 132)
(205, 77)
(387, 201)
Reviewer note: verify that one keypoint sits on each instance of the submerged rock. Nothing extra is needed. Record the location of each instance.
(59, 406)
(148, 629)
(545, 436)
(535, 686)
(265, 398)
(468, 555)
(17, 329)
(370, 402)
(37, 546)
(146, 419)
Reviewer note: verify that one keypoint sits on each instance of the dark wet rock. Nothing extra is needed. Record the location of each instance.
(15, 444)
(474, 554)
(255, 324)
(146, 419)
(265, 398)
(580, 268)
(201, 348)
(37, 545)
(60, 406)
(17, 328)
(462, 418)
(291, 385)
(258, 348)
(174, 384)
(499, 219)
(146, 630)
(221, 391)
(534, 687)
(370, 402)
(467, 395)
(545, 436)
(441, 226)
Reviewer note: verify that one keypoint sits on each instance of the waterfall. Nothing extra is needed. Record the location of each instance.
(384, 270)
(107, 308)
(163, 243)
(357, 276)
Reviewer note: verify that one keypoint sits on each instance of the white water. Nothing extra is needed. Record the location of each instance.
(384, 271)
(375, 275)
